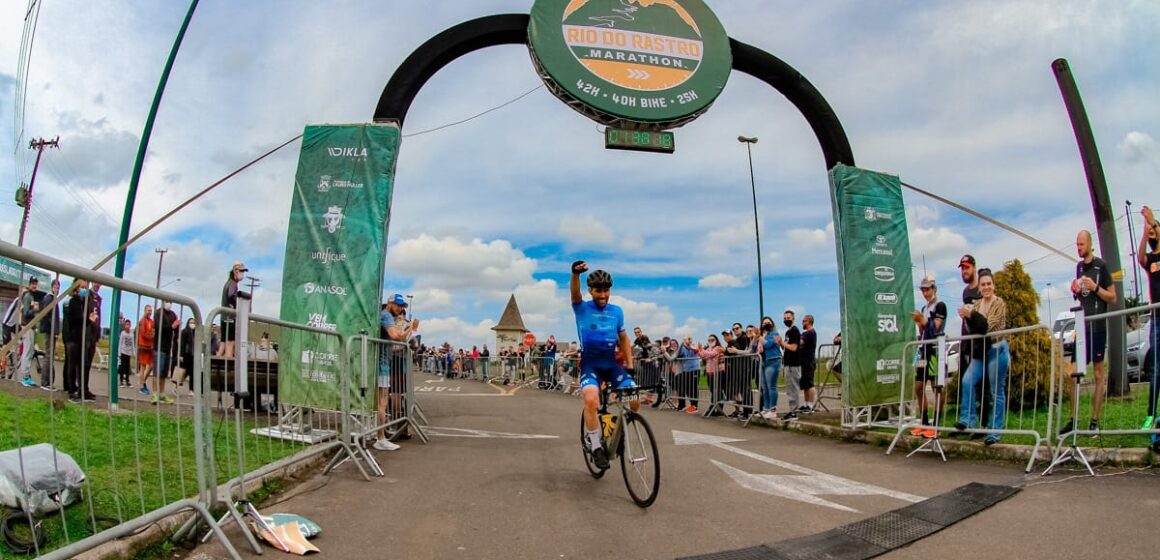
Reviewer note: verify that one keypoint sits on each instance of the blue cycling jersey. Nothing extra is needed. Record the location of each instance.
(598, 329)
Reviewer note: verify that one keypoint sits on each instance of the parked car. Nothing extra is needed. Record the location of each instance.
(1139, 354)
(1063, 330)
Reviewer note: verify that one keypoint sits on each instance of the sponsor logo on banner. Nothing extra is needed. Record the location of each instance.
(884, 364)
(883, 273)
(319, 376)
(350, 152)
(881, 247)
(319, 321)
(332, 219)
(311, 288)
(873, 214)
(885, 298)
(325, 183)
(327, 256)
(324, 358)
(887, 323)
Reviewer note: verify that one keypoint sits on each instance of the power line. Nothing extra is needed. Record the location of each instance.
(497, 107)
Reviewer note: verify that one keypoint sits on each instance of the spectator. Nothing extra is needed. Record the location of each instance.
(78, 329)
(230, 294)
(548, 360)
(988, 314)
(50, 326)
(770, 344)
(484, 355)
(29, 307)
(215, 340)
(791, 363)
(967, 268)
(11, 321)
(688, 369)
(168, 326)
(809, 359)
(713, 354)
(836, 365)
(146, 335)
(125, 349)
(930, 321)
(186, 346)
(1148, 256)
(392, 383)
(1094, 290)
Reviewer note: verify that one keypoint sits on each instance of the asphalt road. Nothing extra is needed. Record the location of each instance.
(503, 477)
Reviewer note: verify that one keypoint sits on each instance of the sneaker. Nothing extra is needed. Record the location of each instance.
(384, 444)
(804, 409)
(769, 414)
(991, 440)
(143, 390)
(600, 458)
(1067, 428)
(28, 382)
(168, 399)
(789, 416)
(73, 397)
(690, 409)
(48, 388)
(1094, 425)
(89, 397)
(1156, 447)
(929, 433)
(917, 431)
(1148, 423)
(154, 399)
(960, 427)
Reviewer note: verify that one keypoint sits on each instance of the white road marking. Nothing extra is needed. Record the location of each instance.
(469, 433)
(803, 487)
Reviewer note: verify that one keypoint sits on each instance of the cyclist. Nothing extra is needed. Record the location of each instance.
(600, 326)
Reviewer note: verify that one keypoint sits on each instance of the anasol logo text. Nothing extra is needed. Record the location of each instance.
(311, 288)
(347, 152)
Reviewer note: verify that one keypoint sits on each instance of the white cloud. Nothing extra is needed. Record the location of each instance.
(804, 240)
(722, 280)
(939, 241)
(585, 230)
(1139, 147)
(450, 263)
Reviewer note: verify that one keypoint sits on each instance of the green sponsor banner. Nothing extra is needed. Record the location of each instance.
(10, 273)
(650, 61)
(333, 274)
(874, 275)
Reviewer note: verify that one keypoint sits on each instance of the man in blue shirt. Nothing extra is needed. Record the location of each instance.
(600, 328)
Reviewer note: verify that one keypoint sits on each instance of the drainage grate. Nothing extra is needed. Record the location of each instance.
(944, 510)
(985, 495)
(830, 545)
(751, 553)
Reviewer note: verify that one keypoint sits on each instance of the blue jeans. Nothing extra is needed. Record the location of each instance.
(1154, 384)
(968, 410)
(998, 365)
(770, 369)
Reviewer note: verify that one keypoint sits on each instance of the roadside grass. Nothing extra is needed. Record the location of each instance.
(134, 461)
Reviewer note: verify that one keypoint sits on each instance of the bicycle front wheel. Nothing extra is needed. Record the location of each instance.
(640, 462)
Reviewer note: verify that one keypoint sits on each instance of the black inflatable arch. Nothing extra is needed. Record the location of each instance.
(512, 29)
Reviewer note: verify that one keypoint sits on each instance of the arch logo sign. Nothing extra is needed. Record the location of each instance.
(653, 62)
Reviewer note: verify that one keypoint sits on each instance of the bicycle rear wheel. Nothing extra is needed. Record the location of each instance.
(640, 462)
(595, 471)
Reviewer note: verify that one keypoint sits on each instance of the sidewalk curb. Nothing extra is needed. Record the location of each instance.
(1120, 457)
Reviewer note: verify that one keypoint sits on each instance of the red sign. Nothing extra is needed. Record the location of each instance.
(529, 339)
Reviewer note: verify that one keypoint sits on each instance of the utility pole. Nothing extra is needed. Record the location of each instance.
(254, 283)
(39, 145)
(160, 262)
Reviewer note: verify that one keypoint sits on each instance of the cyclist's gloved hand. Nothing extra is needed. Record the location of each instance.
(579, 266)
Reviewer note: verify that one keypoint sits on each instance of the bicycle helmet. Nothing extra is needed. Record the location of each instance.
(599, 279)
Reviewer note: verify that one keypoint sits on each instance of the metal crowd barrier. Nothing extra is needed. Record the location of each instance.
(734, 384)
(829, 379)
(978, 400)
(686, 384)
(140, 463)
(1110, 427)
(368, 355)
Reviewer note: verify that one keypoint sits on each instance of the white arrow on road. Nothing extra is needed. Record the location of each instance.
(803, 487)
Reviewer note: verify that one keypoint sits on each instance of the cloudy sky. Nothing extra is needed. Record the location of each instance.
(955, 97)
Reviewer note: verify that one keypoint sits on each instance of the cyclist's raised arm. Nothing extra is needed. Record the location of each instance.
(578, 268)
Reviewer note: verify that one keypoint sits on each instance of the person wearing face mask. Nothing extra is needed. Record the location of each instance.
(770, 347)
(79, 333)
(791, 363)
(988, 314)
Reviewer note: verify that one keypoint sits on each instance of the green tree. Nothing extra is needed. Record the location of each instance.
(1030, 373)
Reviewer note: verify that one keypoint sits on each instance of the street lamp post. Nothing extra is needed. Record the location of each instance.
(749, 142)
(410, 300)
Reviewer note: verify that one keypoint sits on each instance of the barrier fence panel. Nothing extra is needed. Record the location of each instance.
(988, 386)
(1111, 421)
(111, 460)
(829, 375)
(686, 384)
(384, 375)
(734, 384)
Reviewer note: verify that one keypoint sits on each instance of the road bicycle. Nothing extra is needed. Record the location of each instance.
(626, 434)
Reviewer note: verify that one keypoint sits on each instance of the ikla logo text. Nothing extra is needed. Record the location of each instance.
(327, 256)
(883, 273)
(311, 289)
(350, 152)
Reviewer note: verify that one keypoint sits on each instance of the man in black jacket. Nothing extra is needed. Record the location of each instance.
(50, 326)
(80, 330)
(168, 327)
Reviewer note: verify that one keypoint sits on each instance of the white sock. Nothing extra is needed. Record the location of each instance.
(594, 439)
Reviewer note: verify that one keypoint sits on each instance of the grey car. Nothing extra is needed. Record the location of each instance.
(1140, 355)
